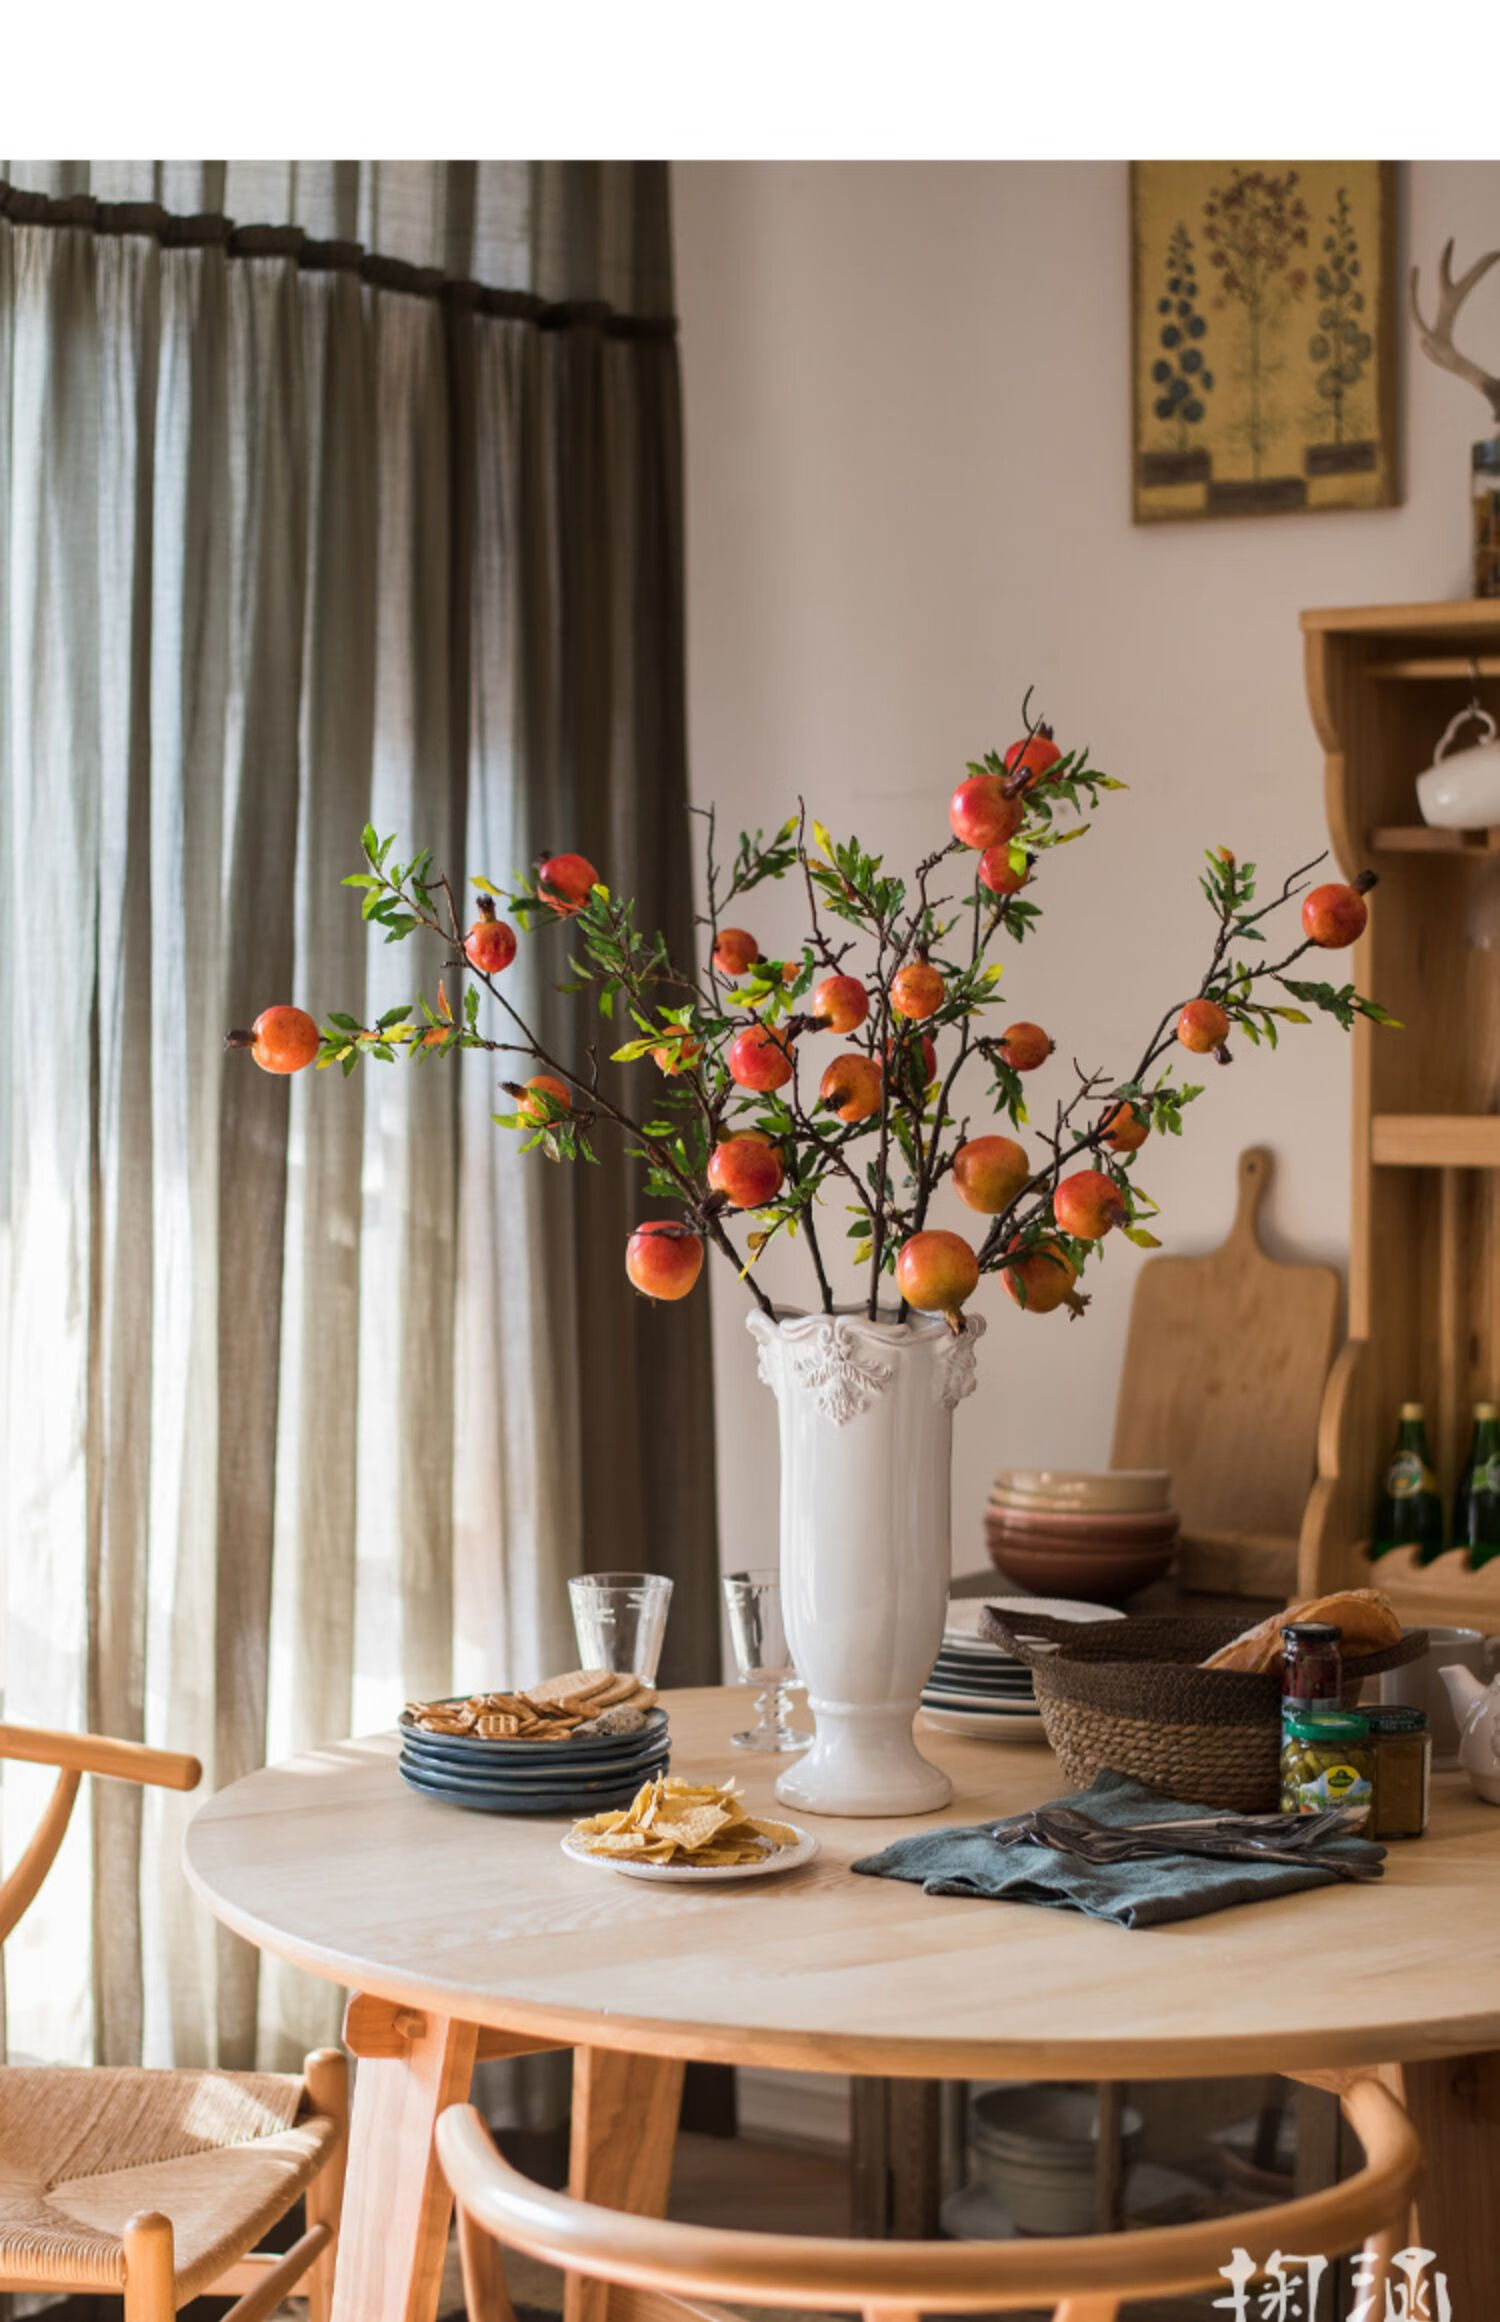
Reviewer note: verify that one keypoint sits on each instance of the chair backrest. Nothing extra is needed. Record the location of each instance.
(74, 1755)
(671, 2268)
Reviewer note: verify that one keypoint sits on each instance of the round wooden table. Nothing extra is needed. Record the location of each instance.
(461, 1934)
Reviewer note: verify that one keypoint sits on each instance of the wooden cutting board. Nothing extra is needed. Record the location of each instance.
(1225, 1364)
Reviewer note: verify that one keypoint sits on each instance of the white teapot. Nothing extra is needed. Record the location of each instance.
(1476, 1706)
(1461, 788)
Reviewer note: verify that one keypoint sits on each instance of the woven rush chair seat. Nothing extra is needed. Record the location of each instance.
(83, 2151)
(151, 2185)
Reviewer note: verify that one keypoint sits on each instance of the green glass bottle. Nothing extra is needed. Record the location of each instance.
(1408, 1512)
(1476, 1503)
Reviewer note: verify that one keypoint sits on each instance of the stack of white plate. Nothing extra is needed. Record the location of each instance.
(977, 1687)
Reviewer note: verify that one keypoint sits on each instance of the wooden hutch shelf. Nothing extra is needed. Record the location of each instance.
(1424, 1254)
(1420, 838)
(1435, 1141)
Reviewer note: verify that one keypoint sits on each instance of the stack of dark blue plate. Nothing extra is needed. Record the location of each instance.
(584, 1774)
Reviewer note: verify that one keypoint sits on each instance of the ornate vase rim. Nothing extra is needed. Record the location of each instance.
(793, 1322)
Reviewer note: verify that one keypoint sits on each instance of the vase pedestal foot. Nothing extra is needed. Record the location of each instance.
(863, 1761)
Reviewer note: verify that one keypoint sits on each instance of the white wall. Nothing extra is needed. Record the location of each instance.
(908, 460)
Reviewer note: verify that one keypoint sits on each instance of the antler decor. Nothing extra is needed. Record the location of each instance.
(1437, 341)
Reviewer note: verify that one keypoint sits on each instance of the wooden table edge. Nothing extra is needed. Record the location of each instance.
(886, 2055)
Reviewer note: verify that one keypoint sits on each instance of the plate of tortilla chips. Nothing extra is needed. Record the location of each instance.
(693, 1833)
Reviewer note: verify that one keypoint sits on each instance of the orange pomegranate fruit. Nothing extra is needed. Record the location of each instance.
(532, 1104)
(746, 1169)
(1335, 916)
(678, 1049)
(840, 1003)
(1202, 1026)
(937, 1272)
(1024, 1046)
(988, 1173)
(981, 815)
(282, 1039)
(490, 944)
(565, 883)
(998, 873)
(851, 1086)
(1126, 1130)
(735, 951)
(917, 990)
(1087, 1204)
(663, 1260)
(759, 1058)
(1043, 1280)
(1032, 757)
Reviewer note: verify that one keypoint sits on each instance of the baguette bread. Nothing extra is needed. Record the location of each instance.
(1369, 1622)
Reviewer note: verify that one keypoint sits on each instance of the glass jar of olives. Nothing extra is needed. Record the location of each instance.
(1326, 1760)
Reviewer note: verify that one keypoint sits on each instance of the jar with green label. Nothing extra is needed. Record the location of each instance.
(1326, 1760)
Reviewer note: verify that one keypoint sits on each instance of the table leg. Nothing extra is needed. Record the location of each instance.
(1455, 2109)
(896, 2155)
(396, 2199)
(624, 2133)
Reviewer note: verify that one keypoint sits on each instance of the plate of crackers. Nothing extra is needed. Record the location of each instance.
(580, 1742)
(689, 1834)
(586, 1703)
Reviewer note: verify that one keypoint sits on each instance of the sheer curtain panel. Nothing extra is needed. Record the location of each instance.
(328, 491)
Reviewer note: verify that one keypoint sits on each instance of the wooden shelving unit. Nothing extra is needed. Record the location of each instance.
(1424, 1259)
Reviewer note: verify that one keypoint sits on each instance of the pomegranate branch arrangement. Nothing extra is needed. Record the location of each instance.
(851, 1080)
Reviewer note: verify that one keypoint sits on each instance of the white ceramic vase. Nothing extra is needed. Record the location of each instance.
(866, 1414)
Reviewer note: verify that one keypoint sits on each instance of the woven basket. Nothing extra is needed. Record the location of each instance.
(1132, 1695)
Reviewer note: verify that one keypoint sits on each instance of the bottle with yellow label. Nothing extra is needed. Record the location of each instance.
(1408, 1511)
(1327, 1759)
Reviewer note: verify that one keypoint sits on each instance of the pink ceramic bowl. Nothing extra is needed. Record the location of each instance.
(1084, 1528)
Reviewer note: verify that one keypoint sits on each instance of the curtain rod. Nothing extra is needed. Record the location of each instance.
(210, 230)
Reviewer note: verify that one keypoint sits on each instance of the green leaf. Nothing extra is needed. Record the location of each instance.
(369, 841)
(393, 1016)
(1141, 1238)
(471, 1006)
(345, 1023)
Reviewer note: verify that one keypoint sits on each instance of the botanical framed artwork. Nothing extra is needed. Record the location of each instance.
(1263, 323)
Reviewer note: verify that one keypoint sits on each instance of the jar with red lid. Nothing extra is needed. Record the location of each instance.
(1312, 1666)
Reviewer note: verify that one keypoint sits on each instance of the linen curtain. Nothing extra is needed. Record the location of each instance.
(328, 492)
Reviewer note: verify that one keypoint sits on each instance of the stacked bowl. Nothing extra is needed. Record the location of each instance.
(1069, 1532)
(585, 1774)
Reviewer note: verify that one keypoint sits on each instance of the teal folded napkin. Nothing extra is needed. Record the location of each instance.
(966, 1861)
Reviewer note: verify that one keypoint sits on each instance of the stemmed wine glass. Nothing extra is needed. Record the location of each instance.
(762, 1657)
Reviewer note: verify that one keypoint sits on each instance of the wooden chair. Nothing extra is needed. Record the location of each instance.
(156, 2186)
(669, 2270)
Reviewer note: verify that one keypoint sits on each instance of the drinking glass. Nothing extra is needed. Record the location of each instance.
(620, 1619)
(763, 1657)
